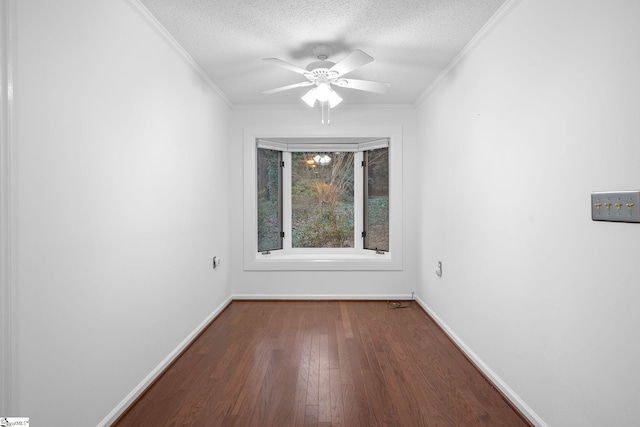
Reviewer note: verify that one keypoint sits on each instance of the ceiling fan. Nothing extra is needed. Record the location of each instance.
(323, 74)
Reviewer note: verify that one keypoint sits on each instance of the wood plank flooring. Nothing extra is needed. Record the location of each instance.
(324, 364)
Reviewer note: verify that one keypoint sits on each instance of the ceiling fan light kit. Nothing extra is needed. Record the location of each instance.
(322, 74)
(323, 93)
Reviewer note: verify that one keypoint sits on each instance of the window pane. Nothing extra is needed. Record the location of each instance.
(322, 200)
(269, 199)
(376, 203)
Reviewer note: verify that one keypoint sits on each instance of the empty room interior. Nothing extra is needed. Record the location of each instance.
(152, 191)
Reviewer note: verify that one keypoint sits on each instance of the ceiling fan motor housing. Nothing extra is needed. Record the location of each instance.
(320, 67)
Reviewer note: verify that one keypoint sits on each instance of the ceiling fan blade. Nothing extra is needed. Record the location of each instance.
(366, 85)
(280, 89)
(283, 64)
(355, 59)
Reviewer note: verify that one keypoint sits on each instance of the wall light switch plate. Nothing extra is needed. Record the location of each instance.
(618, 206)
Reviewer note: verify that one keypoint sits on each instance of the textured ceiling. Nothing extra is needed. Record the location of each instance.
(412, 41)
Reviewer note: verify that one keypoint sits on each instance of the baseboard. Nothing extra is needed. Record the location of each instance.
(364, 297)
(509, 394)
(158, 370)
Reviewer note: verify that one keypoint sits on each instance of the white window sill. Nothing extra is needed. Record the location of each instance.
(279, 261)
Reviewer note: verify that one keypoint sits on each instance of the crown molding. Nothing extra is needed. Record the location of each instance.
(155, 25)
(302, 106)
(491, 24)
(504, 11)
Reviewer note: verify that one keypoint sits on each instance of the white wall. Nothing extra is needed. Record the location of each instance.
(122, 202)
(356, 284)
(127, 159)
(540, 113)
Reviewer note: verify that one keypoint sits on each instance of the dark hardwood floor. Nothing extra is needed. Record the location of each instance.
(321, 363)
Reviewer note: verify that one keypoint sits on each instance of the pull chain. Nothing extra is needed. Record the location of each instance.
(322, 106)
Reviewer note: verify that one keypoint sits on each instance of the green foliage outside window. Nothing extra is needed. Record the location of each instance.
(322, 200)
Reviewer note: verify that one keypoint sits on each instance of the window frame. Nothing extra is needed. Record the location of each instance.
(366, 164)
(289, 258)
(280, 203)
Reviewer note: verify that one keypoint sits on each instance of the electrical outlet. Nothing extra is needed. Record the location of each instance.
(617, 206)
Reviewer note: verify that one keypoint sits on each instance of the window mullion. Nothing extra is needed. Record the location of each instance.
(286, 201)
(358, 198)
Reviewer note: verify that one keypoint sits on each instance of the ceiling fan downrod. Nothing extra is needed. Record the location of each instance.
(322, 52)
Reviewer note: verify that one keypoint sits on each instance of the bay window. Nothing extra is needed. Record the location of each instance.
(322, 203)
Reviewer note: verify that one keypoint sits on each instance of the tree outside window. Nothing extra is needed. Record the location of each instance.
(322, 200)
